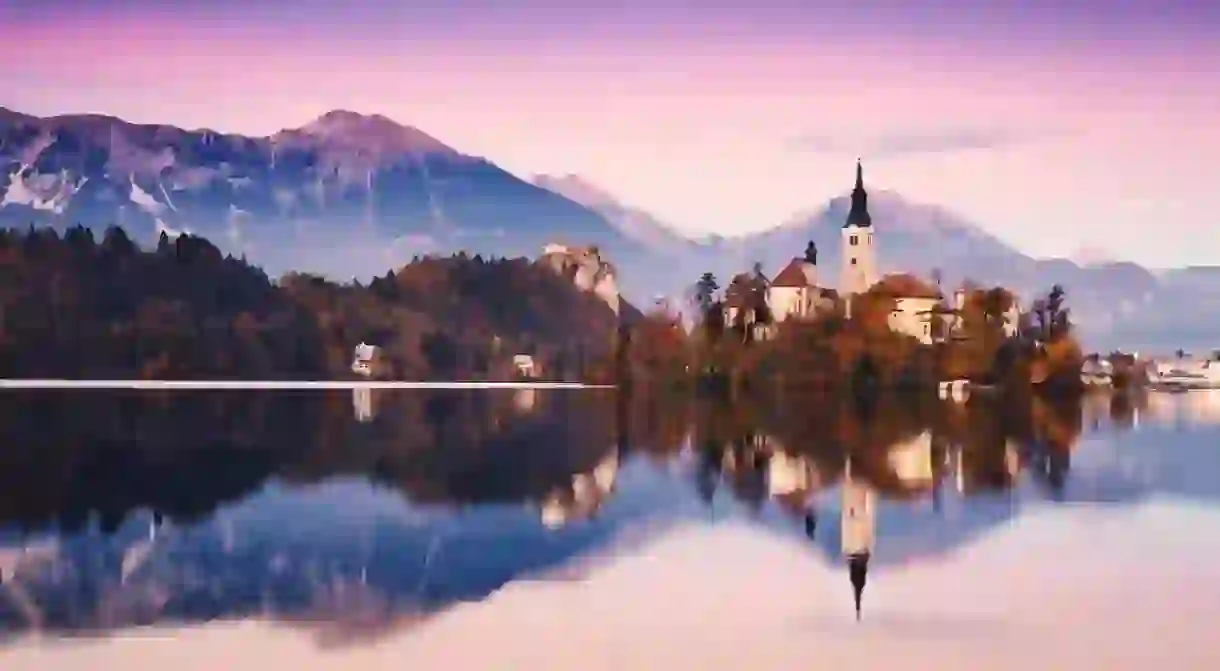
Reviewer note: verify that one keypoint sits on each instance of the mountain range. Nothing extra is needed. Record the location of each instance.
(352, 195)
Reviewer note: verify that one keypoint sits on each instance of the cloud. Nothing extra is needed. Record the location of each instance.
(890, 145)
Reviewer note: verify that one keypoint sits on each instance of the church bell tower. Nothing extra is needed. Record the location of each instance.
(859, 248)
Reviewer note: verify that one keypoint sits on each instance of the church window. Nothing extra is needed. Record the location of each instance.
(854, 240)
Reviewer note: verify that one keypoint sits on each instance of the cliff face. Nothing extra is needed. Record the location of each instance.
(587, 269)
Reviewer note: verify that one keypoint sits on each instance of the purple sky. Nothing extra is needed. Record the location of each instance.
(1056, 125)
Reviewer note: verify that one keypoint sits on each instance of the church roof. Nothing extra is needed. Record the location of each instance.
(798, 273)
(858, 215)
(905, 285)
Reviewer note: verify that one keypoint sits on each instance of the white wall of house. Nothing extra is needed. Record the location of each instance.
(913, 317)
(789, 302)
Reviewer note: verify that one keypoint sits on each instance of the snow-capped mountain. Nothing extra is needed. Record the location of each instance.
(347, 194)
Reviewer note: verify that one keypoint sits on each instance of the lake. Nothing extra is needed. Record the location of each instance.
(552, 528)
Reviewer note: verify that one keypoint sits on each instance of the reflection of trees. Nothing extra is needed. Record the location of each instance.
(75, 457)
(72, 456)
(904, 448)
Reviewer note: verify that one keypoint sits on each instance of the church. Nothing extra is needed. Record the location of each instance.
(795, 292)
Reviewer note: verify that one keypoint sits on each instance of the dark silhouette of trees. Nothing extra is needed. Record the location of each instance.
(74, 308)
(705, 292)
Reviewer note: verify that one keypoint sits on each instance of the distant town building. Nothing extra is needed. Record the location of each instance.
(362, 359)
(524, 365)
(915, 303)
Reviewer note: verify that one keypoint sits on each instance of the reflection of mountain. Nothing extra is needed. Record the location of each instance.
(268, 507)
(279, 548)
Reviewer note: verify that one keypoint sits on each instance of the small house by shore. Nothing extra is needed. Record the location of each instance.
(363, 359)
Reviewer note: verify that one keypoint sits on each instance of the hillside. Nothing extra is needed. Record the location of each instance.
(76, 308)
(343, 195)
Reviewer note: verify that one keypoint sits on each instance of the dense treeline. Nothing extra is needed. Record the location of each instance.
(836, 348)
(76, 307)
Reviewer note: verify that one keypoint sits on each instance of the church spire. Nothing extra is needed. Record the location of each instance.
(858, 216)
(857, 566)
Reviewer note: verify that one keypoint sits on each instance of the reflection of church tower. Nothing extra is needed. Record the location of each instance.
(859, 253)
(858, 528)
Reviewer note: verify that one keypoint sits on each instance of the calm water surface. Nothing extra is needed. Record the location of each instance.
(122, 509)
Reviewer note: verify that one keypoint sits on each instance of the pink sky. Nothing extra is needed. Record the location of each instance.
(1106, 142)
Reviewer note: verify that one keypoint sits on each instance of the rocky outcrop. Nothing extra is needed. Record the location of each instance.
(587, 269)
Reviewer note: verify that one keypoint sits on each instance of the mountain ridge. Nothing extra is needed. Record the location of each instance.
(350, 194)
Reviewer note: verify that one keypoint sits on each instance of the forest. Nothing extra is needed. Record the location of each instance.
(73, 306)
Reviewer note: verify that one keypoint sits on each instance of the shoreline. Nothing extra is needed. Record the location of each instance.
(34, 383)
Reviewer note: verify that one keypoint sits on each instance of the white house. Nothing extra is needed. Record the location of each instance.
(1186, 372)
(915, 303)
(362, 359)
(524, 364)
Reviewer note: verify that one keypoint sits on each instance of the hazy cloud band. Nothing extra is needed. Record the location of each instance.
(889, 145)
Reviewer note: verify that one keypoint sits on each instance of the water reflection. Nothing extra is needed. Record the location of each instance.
(389, 507)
